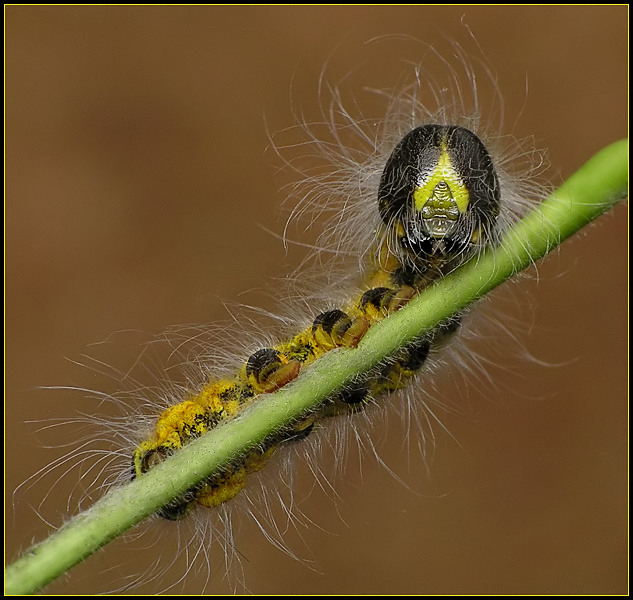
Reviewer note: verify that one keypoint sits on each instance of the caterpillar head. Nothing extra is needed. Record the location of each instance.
(438, 196)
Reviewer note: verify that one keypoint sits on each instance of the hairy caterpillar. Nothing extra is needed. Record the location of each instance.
(204, 315)
(439, 199)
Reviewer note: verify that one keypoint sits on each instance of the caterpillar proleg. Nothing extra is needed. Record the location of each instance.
(356, 502)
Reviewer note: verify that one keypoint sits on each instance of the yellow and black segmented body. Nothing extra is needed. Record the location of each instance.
(438, 201)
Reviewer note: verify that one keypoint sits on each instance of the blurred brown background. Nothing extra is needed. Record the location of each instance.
(137, 185)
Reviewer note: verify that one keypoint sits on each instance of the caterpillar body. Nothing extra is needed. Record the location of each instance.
(438, 201)
(437, 185)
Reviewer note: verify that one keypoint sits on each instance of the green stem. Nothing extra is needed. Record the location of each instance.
(597, 186)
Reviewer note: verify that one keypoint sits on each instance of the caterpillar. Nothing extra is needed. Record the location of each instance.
(439, 200)
(343, 306)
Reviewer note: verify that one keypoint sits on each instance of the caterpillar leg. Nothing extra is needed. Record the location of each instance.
(335, 328)
(394, 374)
(388, 377)
(379, 302)
(226, 485)
(268, 370)
(351, 400)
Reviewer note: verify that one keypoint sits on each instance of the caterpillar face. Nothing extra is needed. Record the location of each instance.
(438, 194)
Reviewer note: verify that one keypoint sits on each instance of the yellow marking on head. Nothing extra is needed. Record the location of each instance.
(443, 176)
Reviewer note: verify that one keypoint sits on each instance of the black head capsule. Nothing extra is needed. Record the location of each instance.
(439, 193)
